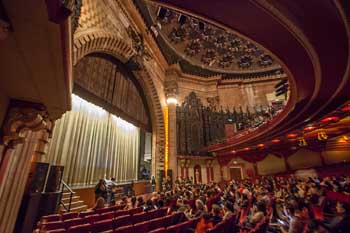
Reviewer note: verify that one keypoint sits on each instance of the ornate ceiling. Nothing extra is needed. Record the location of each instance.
(202, 48)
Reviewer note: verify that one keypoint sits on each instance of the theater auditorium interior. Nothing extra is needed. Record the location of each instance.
(174, 116)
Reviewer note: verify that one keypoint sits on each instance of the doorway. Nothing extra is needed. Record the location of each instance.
(236, 173)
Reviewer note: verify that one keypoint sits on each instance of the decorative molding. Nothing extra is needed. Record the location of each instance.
(21, 117)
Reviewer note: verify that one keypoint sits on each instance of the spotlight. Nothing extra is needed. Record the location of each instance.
(171, 100)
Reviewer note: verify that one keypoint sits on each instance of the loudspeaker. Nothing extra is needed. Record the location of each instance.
(26, 218)
(49, 204)
(170, 176)
(161, 176)
(36, 178)
(54, 179)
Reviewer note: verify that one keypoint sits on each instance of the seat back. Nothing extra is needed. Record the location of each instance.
(136, 210)
(103, 225)
(122, 221)
(80, 228)
(159, 230)
(73, 222)
(70, 215)
(51, 218)
(156, 223)
(92, 218)
(141, 227)
(174, 229)
(140, 217)
(121, 213)
(86, 213)
(107, 215)
(125, 229)
(53, 225)
(61, 230)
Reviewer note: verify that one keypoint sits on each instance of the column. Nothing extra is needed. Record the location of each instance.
(170, 89)
(22, 129)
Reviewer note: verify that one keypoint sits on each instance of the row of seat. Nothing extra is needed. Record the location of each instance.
(71, 215)
(124, 224)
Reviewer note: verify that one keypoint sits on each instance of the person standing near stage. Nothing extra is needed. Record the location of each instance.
(153, 183)
(101, 190)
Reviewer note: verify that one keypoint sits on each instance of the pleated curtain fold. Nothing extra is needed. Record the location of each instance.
(91, 143)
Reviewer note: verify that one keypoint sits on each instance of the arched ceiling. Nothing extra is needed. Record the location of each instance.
(311, 40)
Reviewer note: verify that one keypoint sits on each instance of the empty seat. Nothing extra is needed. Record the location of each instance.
(52, 225)
(162, 212)
(92, 218)
(140, 217)
(70, 215)
(61, 230)
(80, 228)
(73, 222)
(104, 210)
(121, 213)
(107, 215)
(141, 227)
(51, 218)
(174, 229)
(159, 230)
(86, 213)
(125, 229)
(122, 221)
(167, 220)
(156, 223)
(136, 210)
(103, 225)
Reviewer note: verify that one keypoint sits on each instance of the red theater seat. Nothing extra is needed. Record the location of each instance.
(174, 229)
(86, 213)
(80, 228)
(121, 213)
(156, 223)
(51, 218)
(122, 221)
(53, 225)
(140, 217)
(61, 230)
(141, 227)
(71, 215)
(136, 210)
(107, 215)
(125, 229)
(103, 225)
(92, 218)
(73, 222)
(159, 230)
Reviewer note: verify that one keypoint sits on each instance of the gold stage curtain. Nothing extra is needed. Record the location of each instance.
(92, 144)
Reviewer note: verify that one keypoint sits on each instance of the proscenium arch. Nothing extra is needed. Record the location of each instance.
(103, 42)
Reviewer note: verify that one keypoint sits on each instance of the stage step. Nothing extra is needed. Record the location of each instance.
(77, 205)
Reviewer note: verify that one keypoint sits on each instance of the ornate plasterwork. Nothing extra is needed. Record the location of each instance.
(98, 33)
(22, 117)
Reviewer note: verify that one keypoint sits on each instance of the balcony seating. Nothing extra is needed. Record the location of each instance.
(80, 228)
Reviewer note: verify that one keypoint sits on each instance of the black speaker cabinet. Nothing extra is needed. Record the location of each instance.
(54, 179)
(36, 178)
(49, 204)
(27, 215)
(161, 176)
